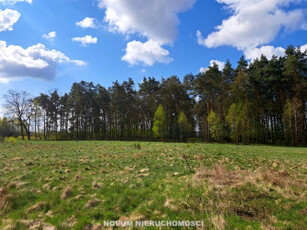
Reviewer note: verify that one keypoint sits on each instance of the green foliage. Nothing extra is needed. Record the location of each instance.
(233, 121)
(8, 128)
(216, 127)
(291, 119)
(160, 126)
(185, 126)
(287, 117)
(239, 87)
(246, 123)
(240, 121)
(11, 140)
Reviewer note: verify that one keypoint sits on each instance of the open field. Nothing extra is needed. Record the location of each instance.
(78, 185)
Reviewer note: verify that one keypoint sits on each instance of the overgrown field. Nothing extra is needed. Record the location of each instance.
(78, 185)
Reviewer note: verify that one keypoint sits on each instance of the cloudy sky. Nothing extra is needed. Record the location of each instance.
(48, 44)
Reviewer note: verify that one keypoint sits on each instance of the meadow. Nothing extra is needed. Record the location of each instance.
(80, 184)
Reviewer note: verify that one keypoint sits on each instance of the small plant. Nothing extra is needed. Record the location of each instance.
(12, 140)
(137, 146)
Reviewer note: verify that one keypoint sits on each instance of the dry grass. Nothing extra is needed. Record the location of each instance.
(17, 159)
(77, 177)
(3, 196)
(169, 203)
(92, 203)
(70, 222)
(37, 207)
(219, 176)
(34, 225)
(218, 222)
(66, 193)
(96, 185)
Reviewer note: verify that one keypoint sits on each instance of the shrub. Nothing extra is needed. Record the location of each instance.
(12, 140)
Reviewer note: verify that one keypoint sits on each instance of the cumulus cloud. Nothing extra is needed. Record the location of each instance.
(36, 61)
(200, 39)
(8, 18)
(155, 20)
(86, 40)
(268, 51)
(253, 23)
(12, 2)
(146, 53)
(203, 69)
(50, 36)
(87, 23)
(220, 64)
(304, 48)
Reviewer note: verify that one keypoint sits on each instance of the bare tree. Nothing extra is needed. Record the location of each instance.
(19, 105)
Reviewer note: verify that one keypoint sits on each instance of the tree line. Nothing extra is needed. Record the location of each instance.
(259, 102)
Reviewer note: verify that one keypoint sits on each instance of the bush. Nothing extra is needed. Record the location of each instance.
(12, 140)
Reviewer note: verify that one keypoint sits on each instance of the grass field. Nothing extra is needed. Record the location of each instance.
(78, 185)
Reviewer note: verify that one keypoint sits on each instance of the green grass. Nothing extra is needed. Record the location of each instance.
(243, 187)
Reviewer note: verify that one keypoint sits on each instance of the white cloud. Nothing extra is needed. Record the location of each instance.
(254, 23)
(156, 20)
(1, 112)
(50, 36)
(6, 80)
(86, 40)
(146, 53)
(203, 70)
(304, 48)
(87, 23)
(220, 64)
(36, 61)
(12, 2)
(200, 39)
(268, 51)
(8, 18)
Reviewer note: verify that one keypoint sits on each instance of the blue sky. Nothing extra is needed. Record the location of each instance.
(48, 44)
